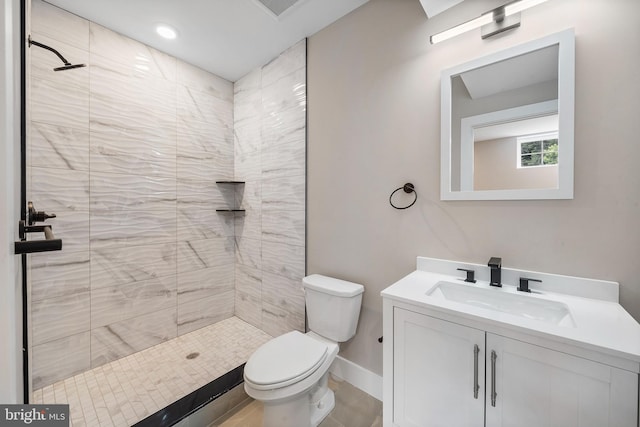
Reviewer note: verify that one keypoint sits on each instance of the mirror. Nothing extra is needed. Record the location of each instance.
(507, 123)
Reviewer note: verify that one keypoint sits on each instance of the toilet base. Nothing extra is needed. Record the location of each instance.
(320, 410)
(305, 410)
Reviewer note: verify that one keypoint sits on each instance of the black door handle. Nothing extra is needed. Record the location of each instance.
(50, 243)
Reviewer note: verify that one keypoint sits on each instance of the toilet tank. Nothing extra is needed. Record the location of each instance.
(333, 306)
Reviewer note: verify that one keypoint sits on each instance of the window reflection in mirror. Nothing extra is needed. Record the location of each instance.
(505, 131)
(521, 154)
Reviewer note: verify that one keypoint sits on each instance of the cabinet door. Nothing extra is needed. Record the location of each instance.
(438, 372)
(538, 387)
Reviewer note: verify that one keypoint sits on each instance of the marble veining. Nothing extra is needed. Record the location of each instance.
(203, 81)
(194, 224)
(119, 48)
(247, 137)
(56, 318)
(204, 253)
(121, 302)
(61, 103)
(248, 252)
(277, 321)
(270, 155)
(291, 60)
(202, 168)
(122, 193)
(283, 292)
(199, 106)
(71, 226)
(59, 147)
(206, 140)
(54, 191)
(113, 80)
(59, 274)
(247, 98)
(284, 193)
(132, 228)
(120, 266)
(127, 151)
(248, 307)
(59, 24)
(249, 225)
(284, 227)
(287, 159)
(287, 92)
(120, 339)
(204, 283)
(59, 359)
(200, 194)
(248, 298)
(283, 259)
(132, 152)
(249, 166)
(198, 313)
(128, 117)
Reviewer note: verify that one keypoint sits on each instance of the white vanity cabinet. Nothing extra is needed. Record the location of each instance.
(438, 372)
(536, 386)
(446, 374)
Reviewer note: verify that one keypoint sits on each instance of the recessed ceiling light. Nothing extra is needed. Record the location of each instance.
(166, 31)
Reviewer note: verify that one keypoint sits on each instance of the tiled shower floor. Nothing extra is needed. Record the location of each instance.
(128, 390)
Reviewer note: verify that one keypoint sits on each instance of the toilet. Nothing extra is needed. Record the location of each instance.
(289, 374)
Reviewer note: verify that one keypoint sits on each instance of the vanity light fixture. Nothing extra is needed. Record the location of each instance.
(166, 31)
(498, 20)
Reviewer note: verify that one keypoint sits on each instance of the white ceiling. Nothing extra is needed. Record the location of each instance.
(434, 7)
(226, 37)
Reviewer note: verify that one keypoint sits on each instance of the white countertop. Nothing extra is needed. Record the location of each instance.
(600, 325)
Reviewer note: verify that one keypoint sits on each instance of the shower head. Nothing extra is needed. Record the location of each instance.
(67, 65)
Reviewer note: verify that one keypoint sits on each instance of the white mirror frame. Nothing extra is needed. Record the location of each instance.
(566, 100)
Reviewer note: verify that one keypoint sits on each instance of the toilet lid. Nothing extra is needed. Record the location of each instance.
(285, 360)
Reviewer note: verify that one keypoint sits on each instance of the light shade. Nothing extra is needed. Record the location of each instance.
(462, 28)
(166, 31)
(484, 19)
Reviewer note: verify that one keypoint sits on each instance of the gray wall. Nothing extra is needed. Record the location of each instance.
(374, 124)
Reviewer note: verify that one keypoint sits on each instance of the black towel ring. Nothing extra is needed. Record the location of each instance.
(408, 188)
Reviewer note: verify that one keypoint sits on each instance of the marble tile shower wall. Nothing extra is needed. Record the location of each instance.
(126, 152)
(270, 155)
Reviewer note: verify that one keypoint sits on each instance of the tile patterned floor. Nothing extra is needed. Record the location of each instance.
(128, 390)
(354, 408)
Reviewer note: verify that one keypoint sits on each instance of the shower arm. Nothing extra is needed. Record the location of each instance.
(44, 46)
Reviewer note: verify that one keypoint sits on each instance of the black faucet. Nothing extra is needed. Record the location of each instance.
(524, 284)
(470, 275)
(495, 264)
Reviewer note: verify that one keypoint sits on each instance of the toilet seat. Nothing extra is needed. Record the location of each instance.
(284, 360)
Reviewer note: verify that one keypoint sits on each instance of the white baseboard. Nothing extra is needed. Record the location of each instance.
(358, 376)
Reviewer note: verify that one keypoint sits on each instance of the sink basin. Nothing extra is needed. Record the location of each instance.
(496, 299)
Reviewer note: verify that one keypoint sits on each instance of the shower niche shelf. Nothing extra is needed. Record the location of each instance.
(234, 185)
